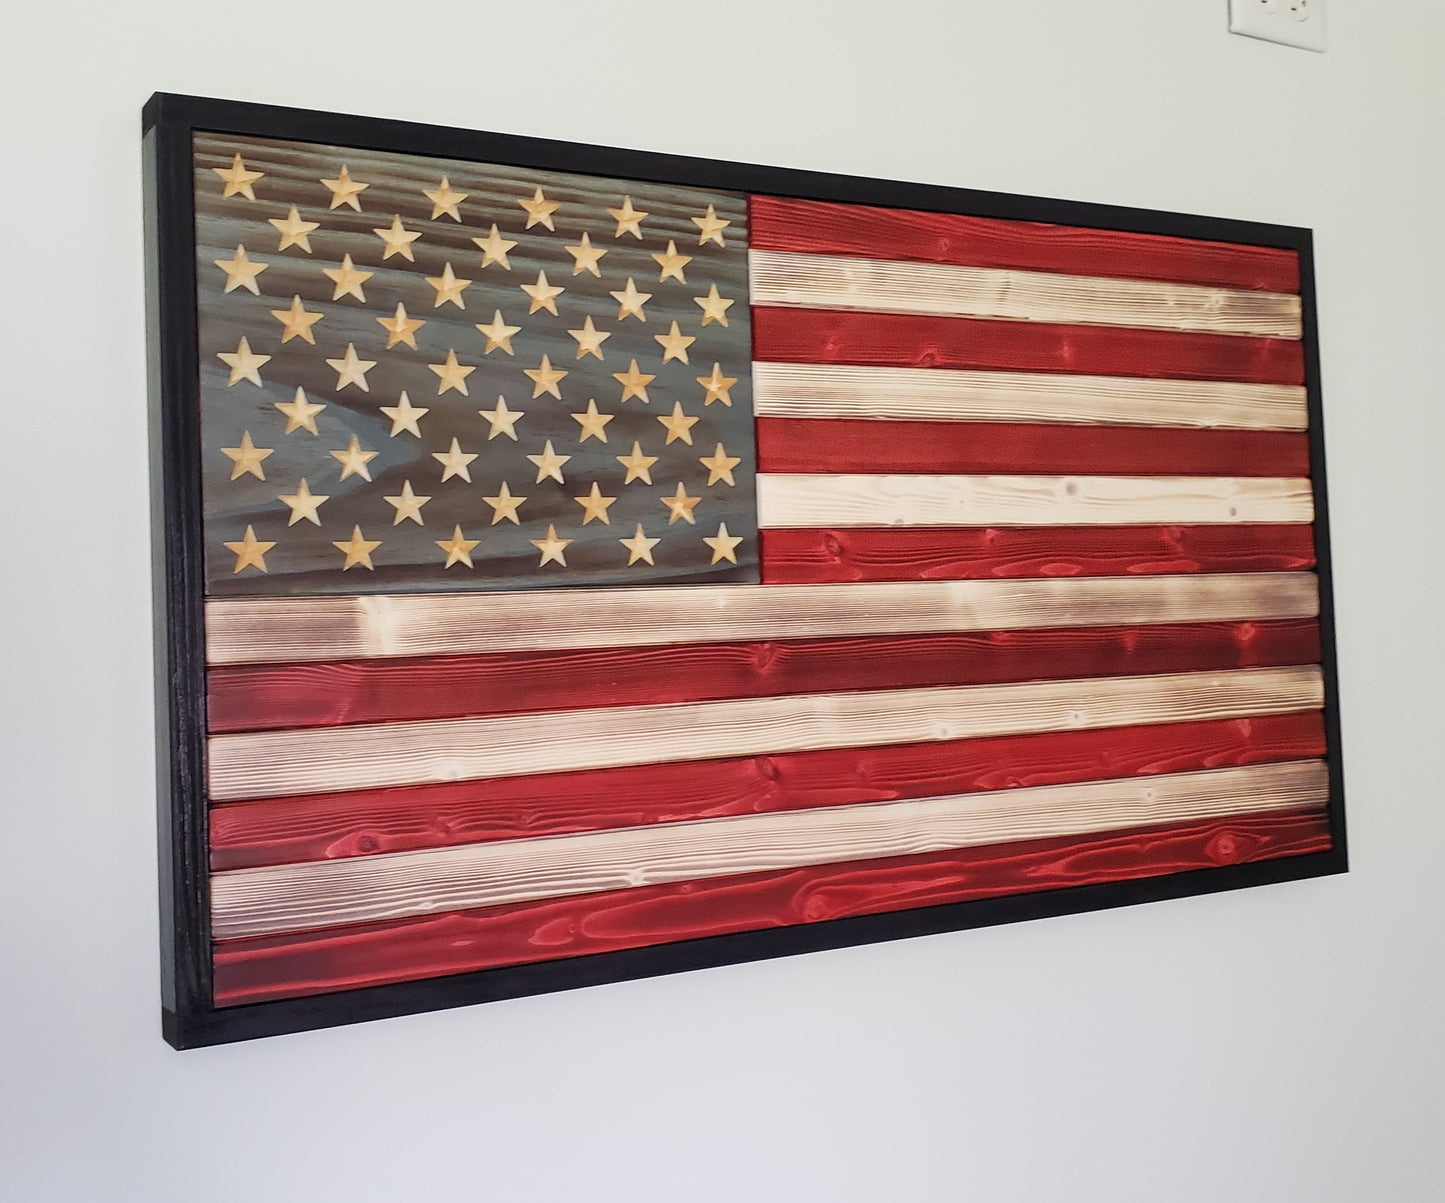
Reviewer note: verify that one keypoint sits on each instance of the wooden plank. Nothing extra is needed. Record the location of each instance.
(906, 340)
(940, 290)
(793, 500)
(319, 962)
(280, 898)
(363, 822)
(265, 697)
(822, 445)
(282, 630)
(798, 390)
(809, 555)
(785, 224)
(369, 756)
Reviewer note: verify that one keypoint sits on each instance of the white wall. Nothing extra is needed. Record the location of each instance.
(1276, 1045)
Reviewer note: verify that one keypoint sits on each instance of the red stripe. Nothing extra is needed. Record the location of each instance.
(255, 970)
(326, 826)
(262, 697)
(807, 556)
(854, 445)
(908, 341)
(779, 224)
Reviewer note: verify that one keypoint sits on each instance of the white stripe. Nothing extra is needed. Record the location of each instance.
(293, 629)
(280, 898)
(802, 390)
(786, 500)
(272, 763)
(944, 290)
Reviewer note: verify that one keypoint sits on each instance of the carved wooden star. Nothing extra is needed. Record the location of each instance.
(400, 328)
(294, 231)
(458, 548)
(358, 550)
(639, 547)
(246, 459)
(348, 280)
(634, 382)
(241, 272)
(629, 220)
(345, 190)
(238, 181)
(297, 321)
(630, 302)
(445, 199)
(351, 369)
(407, 505)
(304, 504)
(250, 551)
(539, 210)
(244, 363)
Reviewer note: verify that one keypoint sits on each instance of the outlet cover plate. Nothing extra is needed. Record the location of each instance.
(1290, 22)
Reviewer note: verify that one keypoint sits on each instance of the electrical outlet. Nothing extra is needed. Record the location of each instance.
(1290, 22)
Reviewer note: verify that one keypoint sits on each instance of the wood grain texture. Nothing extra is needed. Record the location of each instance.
(914, 341)
(279, 898)
(264, 697)
(290, 630)
(851, 444)
(786, 224)
(360, 823)
(317, 962)
(798, 390)
(369, 756)
(939, 290)
(793, 500)
(809, 555)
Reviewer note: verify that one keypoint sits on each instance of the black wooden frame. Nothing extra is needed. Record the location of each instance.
(189, 1018)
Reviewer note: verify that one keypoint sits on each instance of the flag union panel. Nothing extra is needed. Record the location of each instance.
(422, 374)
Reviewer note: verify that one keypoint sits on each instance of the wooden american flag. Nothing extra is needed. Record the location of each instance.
(1018, 593)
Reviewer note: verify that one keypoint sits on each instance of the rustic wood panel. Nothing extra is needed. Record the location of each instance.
(318, 962)
(262, 697)
(785, 224)
(800, 390)
(283, 630)
(908, 340)
(792, 500)
(846, 444)
(890, 286)
(255, 902)
(259, 764)
(363, 822)
(808, 555)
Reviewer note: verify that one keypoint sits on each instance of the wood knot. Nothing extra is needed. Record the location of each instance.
(1224, 848)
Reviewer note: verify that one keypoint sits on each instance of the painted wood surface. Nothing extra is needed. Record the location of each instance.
(792, 500)
(364, 822)
(800, 390)
(260, 764)
(254, 902)
(265, 697)
(285, 630)
(940, 290)
(316, 962)
(843, 444)
(811, 555)
(789, 224)
(914, 341)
